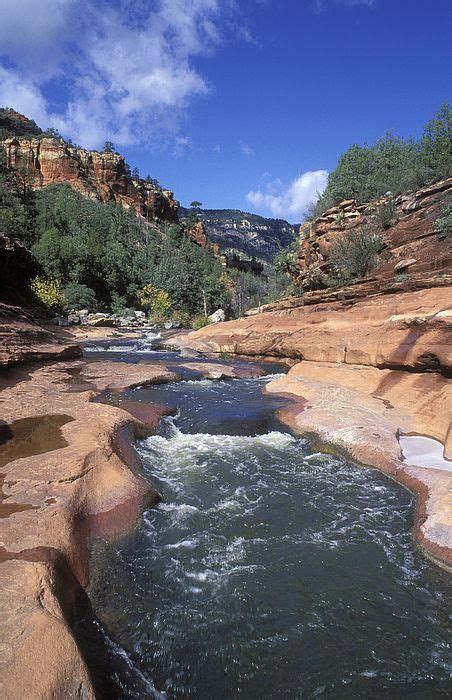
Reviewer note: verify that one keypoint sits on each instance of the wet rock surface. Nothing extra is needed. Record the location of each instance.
(68, 471)
(367, 369)
(58, 485)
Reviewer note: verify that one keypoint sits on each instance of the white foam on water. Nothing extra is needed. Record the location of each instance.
(141, 345)
(180, 448)
(271, 377)
(153, 336)
(198, 383)
(185, 544)
(180, 508)
(420, 451)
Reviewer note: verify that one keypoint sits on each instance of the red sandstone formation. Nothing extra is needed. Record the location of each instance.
(39, 161)
(409, 331)
(198, 234)
(103, 176)
(23, 339)
(412, 247)
(54, 499)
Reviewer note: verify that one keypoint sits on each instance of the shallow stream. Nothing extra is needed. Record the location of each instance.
(269, 570)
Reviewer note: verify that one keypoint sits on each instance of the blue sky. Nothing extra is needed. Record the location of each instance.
(237, 103)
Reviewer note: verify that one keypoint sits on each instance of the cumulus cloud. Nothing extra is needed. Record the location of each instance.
(28, 29)
(23, 95)
(290, 203)
(127, 67)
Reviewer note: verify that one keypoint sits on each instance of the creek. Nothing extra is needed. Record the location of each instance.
(269, 569)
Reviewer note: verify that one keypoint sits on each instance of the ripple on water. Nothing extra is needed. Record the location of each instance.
(270, 570)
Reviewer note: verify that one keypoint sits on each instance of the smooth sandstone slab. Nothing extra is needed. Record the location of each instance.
(410, 330)
(70, 485)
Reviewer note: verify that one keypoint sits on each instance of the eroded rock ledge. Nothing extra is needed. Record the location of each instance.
(368, 369)
(54, 498)
(23, 339)
(68, 472)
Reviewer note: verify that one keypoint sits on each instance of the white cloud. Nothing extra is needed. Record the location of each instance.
(28, 28)
(247, 150)
(128, 68)
(290, 203)
(23, 95)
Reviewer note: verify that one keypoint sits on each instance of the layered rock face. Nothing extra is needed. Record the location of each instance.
(102, 176)
(197, 233)
(411, 245)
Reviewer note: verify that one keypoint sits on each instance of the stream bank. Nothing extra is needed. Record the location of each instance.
(269, 569)
(365, 371)
(92, 481)
(84, 481)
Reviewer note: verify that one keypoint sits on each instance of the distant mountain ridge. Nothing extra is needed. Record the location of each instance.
(250, 234)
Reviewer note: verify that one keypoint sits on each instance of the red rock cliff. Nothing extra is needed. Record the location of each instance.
(411, 245)
(102, 176)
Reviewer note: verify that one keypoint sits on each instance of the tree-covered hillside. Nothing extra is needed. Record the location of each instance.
(392, 164)
(250, 234)
(103, 254)
(14, 124)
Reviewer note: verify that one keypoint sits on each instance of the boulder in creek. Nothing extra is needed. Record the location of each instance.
(73, 318)
(60, 321)
(189, 352)
(96, 320)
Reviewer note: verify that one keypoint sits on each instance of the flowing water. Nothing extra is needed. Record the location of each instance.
(269, 570)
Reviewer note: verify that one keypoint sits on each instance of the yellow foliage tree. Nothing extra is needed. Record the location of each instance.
(157, 300)
(48, 292)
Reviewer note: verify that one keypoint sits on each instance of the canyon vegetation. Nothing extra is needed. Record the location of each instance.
(100, 253)
(226, 421)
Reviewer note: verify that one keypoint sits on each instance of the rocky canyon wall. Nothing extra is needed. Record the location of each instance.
(410, 244)
(44, 161)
